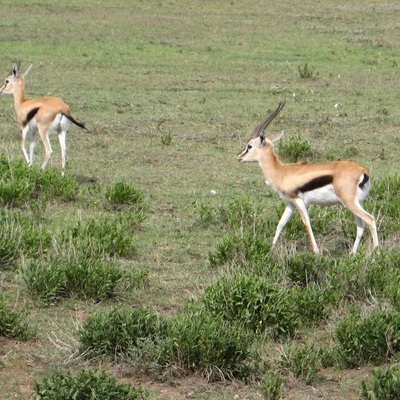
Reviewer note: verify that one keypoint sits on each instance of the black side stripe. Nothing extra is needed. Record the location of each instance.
(364, 181)
(315, 183)
(31, 114)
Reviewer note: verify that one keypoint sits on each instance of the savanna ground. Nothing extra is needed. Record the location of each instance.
(170, 91)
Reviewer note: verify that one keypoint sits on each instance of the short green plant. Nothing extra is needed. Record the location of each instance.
(294, 149)
(111, 234)
(254, 302)
(85, 385)
(271, 388)
(302, 360)
(307, 72)
(13, 323)
(72, 275)
(383, 384)
(371, 339)
(123, 196)
(118, 333)
(206, 343)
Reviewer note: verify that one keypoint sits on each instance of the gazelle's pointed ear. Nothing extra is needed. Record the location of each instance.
(15, 69)
(27, 71)
(278, 137)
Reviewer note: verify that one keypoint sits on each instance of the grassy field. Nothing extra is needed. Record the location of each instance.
(170, 92)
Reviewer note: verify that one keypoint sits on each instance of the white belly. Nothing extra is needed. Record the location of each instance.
(324, 196)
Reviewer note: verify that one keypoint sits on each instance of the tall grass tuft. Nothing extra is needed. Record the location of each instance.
(13, 323)
(85, 385)
(253, 301)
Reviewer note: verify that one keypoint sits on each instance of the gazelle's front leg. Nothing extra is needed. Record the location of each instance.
(287, 214)
(306, 220)
(47, 147)
(25, 131)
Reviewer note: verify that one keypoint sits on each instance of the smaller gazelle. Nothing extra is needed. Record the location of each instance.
(300, 184)
(42, 114)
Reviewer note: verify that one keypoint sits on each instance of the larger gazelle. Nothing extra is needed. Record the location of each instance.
(42, 114)
(301, 184)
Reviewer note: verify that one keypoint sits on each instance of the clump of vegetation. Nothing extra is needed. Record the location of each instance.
(303, 360)
(82, 276)
(384, 384)
(208, 344)
(85, 385)
(119, 332)
(371, 339)
(123, 196)
(271, 388)
(295, 149)
(13, 323)
(307, 72)
(254, 302)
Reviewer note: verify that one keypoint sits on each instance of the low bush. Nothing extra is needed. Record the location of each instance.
(254, 302)
(371, 339)
(85, 385)
(206, 343)
(113, 235)
(13, 323)
(383, 384)
(74, 274)
(271, 388)
(294, 149)
(117, 333)
(123, 196)
(303, 360)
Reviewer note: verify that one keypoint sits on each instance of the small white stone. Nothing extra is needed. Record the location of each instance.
(213, 192)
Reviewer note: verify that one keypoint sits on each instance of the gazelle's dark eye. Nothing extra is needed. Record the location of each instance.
(249, 147)
(7, 81)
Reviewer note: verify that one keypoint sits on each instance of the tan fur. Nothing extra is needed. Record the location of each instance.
(49, 109)
(286, 179)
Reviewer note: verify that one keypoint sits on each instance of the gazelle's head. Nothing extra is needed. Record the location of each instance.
(256, 146)
(14, 79)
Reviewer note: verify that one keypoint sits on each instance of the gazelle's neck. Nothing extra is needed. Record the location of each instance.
(19, 94)
(270, 164)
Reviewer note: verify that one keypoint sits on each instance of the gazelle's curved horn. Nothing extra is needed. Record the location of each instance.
(27, 71)
(263, 125)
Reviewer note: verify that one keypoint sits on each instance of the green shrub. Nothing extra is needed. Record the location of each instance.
(21, 185)
(118, 333)
(313, 303)
(123, 196)
(13, 323)
(385, 196)
(372, 339)
(294, 149)
(206, 343)
(271, 388)
(254, 302)
(80, 275)
(112, 235)
(247, 249)
(383, 384)
(85, 385)
(307, 72)
(303, 361)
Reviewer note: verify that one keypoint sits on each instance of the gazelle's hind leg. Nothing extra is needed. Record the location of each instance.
(367, 218)
(360, 230)
(47, 147)
(62, 139)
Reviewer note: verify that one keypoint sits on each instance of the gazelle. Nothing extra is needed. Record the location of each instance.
(301, 184)
(42, 114)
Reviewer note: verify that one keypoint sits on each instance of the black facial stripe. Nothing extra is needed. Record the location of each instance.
(315, 183)
(364, 181)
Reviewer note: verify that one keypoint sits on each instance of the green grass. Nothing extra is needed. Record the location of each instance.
(170, 92)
